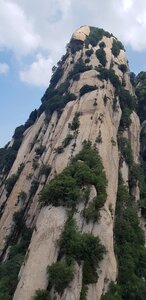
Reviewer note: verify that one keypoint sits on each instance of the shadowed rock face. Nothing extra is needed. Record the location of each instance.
(82, 103)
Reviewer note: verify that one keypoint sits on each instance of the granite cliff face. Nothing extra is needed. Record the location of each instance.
(90, 105)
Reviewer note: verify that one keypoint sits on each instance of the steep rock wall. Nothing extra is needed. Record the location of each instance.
(99, 123)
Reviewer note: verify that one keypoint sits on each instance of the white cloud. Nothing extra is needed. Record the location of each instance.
(4, 68)
(29, 27)
(39, 72)
(16, 29)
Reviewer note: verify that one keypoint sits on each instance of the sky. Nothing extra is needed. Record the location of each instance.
(33, 36)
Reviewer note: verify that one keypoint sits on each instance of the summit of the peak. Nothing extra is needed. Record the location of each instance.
(81, 33)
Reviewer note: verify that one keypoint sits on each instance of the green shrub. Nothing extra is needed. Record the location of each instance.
(59, 149)
(87, 60)
(79, 67)
(56, 99)
(116, 47)
(76, 77)
(10, 182)
(126, 151)
(60, 274)
(99, 138)
(105, 74)
(80, 246)
(89, 52)
(45, 170)
(62, 190)
(22, 196)
(126, 99)
(9, 269)
(65, 188)
(42, 295)
(115, 105)
(35, 164)
(125, 121)
(113, 293)
(83, 294)
(67, 140)
(102, 45)
(129, 247)
(132, 78)
(56, 76)
(87, 89)
(75, 45)
(75, 123)
(39, 150)
(91, 212)
(123, 68)
(33, 188)
(140, 82)
(101, 55)
(95, 36)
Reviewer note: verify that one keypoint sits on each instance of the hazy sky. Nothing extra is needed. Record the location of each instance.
(33, 36)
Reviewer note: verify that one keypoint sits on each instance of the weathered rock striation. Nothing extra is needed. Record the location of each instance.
(91, 98)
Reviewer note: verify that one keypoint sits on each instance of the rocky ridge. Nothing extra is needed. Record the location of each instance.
(90, 103)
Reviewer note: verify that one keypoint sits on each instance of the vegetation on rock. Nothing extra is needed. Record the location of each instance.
(67, 188)
(101, 55)
(116, 47)
(87, 89)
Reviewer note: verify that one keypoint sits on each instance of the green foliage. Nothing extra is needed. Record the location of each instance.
(39, 150)
(115, 105)
(75, 45)
(22, 196)
(123, 68)
(133, 78)
(102, 45)
(59, 149)
(99, 138)
(129, 248)
(87, 89)
(89, 52)
(84, 291)
(91, 212)
(60, 274)
(126, 151)
(42, 295)
(76, 77)
(67, 140)
(56, 99)
(127, 104)
(79, 67)
(87, 60)
(56, 76)
(116, 47)
(141, 95)
(126, 99)
(75, 123)
(10, 182)
(105, 74)
(125, 121)
(8, 154)
(9, 269)
(101, 55)
(45, 170)
(113, 293)
(85, 169)
(35, 164)
(62, 190)
(33, 188)
(96, 34)
(81, 247)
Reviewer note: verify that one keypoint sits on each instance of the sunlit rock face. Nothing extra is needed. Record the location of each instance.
(83, 103)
